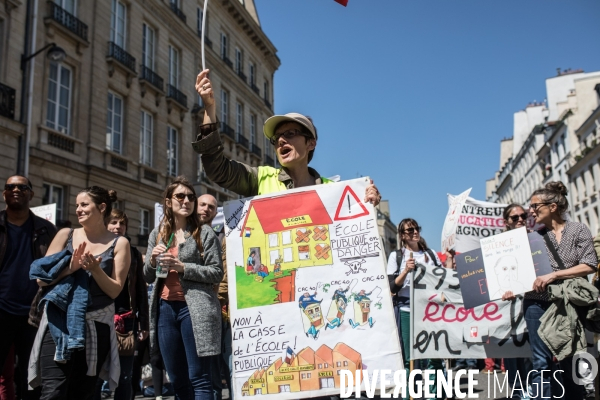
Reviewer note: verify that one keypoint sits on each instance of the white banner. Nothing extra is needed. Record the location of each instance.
(443, 328)
(308, 289)
(48, 212)
(455, 206)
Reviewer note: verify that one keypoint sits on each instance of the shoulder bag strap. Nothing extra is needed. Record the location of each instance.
(552, 249)
(399, 258)
(433, 257)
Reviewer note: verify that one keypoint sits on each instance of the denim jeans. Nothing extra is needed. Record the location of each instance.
(190, 374)
(541, 358)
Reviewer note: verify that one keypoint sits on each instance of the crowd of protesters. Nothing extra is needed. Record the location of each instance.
(81, 309)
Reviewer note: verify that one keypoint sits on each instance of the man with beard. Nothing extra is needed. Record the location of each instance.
(24, 238)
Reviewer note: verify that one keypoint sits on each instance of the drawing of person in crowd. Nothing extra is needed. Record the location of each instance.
(507, 275)
(262, 273)
(335, 316)
(362, 310)
(312, 316)
(250, 263)
(277, 266)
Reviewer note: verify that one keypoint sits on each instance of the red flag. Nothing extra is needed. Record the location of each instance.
(342, 2)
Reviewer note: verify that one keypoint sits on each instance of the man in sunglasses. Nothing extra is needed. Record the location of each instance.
(294, 137)
(19, 229)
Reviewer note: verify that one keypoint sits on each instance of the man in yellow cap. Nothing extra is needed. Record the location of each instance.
(294, 137)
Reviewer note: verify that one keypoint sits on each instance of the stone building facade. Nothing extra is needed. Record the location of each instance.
(120, 111)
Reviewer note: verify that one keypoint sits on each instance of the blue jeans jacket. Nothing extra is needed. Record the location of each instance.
(67, 302)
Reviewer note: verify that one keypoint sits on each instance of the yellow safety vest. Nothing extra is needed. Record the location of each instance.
(268, 180)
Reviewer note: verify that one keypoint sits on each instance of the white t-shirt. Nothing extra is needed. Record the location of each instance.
(419, 257)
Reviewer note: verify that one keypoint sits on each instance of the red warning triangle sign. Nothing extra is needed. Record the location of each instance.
(347, 207)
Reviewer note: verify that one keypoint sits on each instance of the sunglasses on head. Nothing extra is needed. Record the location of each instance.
(180, 197)
(11, 186)
(411, 231)
(515, 218)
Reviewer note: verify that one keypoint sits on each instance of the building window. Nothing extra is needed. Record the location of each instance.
(54, 194)
(320, 366)
(118, 16)
(199, 15)
(148, 40)
(252, 74)
(173, 67)
(224, 106)
(239, 119)
(224, 45)
(266, 89)
(144, 221)
(146, 138)
(326, 365)
(114, 123)
(345, 363)
(67, 5)
(171, 151)
(239, 61)
(59, 98)
(338, 364)
(303, 376)
(252, 129)
(308, 375)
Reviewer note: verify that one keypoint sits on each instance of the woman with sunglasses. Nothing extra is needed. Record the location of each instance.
(401, 263)
(574, 245)
(185, 316)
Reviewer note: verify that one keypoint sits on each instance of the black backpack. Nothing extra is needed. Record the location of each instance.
(400, 256)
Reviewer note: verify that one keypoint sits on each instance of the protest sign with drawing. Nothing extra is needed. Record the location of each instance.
(48, 212)
(443, 328)
(508, 264)
(452, 217)
(473, 277)
(308, 290)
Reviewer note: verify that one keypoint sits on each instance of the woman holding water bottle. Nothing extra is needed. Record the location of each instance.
(184, 262)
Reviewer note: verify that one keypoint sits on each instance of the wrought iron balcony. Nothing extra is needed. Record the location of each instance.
(178, 12)
(241, 75)
(256, 150)
(269, 160)
(61, 142)
(227, 130)
(68, 20)
(177, 95)
(255, 88)
(7, 101)
(268, 104)
(241, 140)
(123, 57)
(227, 61)
(150, 175)
(207, 41)
(151, 77)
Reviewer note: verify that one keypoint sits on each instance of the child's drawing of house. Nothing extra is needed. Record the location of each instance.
(290, 230)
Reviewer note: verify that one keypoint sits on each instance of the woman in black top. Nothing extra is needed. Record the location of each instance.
(574, 245)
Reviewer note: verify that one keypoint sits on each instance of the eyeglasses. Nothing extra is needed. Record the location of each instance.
(287, 135)
(180, 197)
(536, 206)
(411, 231)
(11, 186)
(515, 218)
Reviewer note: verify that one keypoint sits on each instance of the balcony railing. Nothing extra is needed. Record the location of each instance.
(7, 101)
(177, 95)
(268, 104)
(207, 41)
(178, 11)
(256, 150)
(269, 160)
(255, 88)
(150, 175)
(227, 130)
(241, 140)
(118, 162)
(119, 54)
(68, 20)
(61, 142)
(241, 75)
(228, 62)
(151, 77)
